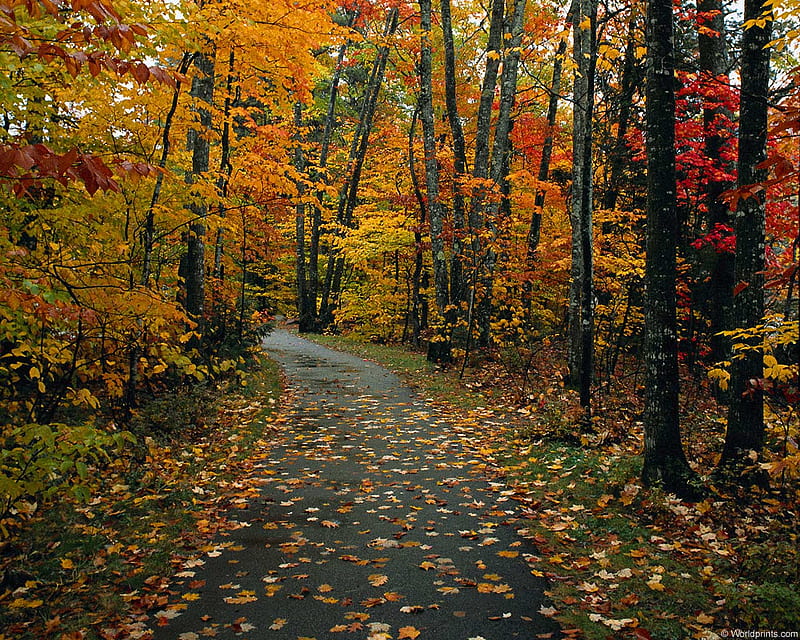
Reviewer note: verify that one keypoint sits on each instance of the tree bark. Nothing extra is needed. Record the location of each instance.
(348, 194)
(581, 299)
(194, 260)
(458, 280)
(664, 460)
(499, 163)
(713, 58)
(306, 306)
(149, 231)
(629, 83)
(435, 208)
(746, 411)
(535, 230)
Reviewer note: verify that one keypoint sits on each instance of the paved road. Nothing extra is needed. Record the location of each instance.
(375, 521)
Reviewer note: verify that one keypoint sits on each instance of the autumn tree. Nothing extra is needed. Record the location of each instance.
(665, 463)
(581, 297)
(745, 430)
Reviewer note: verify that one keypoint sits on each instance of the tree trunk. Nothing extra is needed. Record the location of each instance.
(664, 460)
(348, 195)
(629, 83)
(713, 58)
(194, 260)
(149, 231)
(225, 167)
(458, 280)
(435, 208)
(305, 304)
(499, 163)
(418, 308)
(534, 232)
(581, 299)
(746, 410)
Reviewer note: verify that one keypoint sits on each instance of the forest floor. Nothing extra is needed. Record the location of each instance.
(620, 561)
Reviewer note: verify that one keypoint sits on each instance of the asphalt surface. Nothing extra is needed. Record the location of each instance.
(375, 521)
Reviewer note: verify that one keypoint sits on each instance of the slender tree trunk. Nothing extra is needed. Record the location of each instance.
(746, 411)
(313, 288)
(664, 460)
(149, 231)
(499, 163)
(535, 230)
(629, 84)
(305, 305)
(225, 166)
(458, 280)
(418, 320)
(435, 208)
(348, 195)
(713, 58)
(194, 264)
(581, 321)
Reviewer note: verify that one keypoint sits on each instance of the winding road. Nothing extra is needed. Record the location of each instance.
(375, 521)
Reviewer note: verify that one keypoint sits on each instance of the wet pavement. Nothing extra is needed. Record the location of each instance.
(375, 520)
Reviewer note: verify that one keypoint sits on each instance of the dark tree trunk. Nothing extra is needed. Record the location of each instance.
(194, 261)
(418, 306)
(746, 411)
(664, 460)
(535, 230)
(306, 305)
(149, 231)
(458, 280)
(435, 208)
(713, 58)
(581, 302)
(348, 194)
(225, 167)
(499, 163)
(629, 83)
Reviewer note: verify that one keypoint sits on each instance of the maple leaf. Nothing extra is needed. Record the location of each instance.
(278, 624)
(412, 609)
(377, 579)
(407, 632)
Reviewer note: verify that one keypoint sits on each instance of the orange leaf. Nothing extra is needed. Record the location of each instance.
(407, 632)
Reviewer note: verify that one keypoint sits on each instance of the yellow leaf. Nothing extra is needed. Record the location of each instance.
(66, 563)
(378, 580)
(407, 632)
(190, 596)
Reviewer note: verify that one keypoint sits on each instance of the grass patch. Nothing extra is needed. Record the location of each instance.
(88, 568)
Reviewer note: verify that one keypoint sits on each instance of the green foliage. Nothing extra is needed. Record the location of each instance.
(38, 461)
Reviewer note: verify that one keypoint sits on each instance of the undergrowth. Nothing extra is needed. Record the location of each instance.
(87, 569)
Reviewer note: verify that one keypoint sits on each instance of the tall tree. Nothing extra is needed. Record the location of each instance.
(348, 193)
(491, 160)
(458, 281)
(193, 264)
(713, 59)
(435, 208)
(746, 412)
(581, 296)
(665, 463)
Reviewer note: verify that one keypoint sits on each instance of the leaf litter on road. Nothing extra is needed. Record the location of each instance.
(368, 486)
